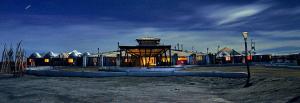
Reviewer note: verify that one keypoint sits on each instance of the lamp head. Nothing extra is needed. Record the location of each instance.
(245, 35)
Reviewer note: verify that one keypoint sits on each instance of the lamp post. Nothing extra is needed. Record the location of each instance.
(245, 35)
(98, 59)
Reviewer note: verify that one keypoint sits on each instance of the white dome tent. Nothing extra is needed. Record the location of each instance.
(50, 54)
(35, 55)
(74, 54)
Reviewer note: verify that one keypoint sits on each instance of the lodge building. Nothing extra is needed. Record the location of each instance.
(148, 52)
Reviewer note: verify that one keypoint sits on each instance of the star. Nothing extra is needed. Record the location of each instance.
(27, 7)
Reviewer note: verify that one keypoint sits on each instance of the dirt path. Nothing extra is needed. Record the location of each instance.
(32, 89)
(130, 89)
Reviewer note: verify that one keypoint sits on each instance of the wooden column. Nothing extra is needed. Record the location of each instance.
(149, 57)
(140, 57)
(166, 59)
(170, 55)
(144, 62)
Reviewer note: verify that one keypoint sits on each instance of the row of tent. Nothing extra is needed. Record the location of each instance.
(109, 58)
(178, 56)
(50, 54)
(76, 54)
(73, 54)
(74, 58)
(225, 55)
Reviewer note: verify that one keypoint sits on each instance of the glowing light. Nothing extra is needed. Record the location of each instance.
(30, 60)
(151, 61)
(165, 59)
(249, 57)
(46, 60)
(70, 60)
(182, 58)
(227, 58)
(245, 35)
(199, 58)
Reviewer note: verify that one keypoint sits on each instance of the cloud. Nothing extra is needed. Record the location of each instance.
(280, 33)
(201, 40)
(282, 50)
(280, 40)
(229, 14)
(286, 11)
(105, 35)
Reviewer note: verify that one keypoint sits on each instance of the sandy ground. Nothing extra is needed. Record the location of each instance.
(269, 85)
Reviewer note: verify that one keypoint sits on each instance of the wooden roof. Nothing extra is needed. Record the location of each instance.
(146, 50)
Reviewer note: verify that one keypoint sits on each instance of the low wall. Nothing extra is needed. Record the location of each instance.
(135, 69)
(57, 73)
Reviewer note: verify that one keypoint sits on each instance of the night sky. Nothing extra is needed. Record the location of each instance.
(85, 25)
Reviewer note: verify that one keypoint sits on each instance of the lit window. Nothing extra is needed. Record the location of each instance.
(46, 60)
(227, 58)
(182, 58)
(199, 58)
(70, 60)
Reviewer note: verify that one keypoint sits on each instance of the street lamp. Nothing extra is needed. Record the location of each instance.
(245, 35)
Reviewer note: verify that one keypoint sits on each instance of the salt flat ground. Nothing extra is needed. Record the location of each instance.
(269, 85)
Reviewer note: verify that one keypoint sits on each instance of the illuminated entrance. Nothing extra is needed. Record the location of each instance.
(148, 53)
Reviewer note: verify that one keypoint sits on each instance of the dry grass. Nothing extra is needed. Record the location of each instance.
(255, 70)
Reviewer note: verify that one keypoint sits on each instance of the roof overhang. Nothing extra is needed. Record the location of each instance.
(145, 50)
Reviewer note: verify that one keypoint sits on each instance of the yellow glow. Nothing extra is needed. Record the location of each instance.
(165, 59)
(152, 64)
(199, 58)
(46, 60)
(151, 61)
(182, 58)
(70, 60)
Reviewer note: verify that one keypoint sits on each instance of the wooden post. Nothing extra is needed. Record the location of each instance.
(149, 57)
(3, 59)
(144, 58)
(170, 55)
(140, 57)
